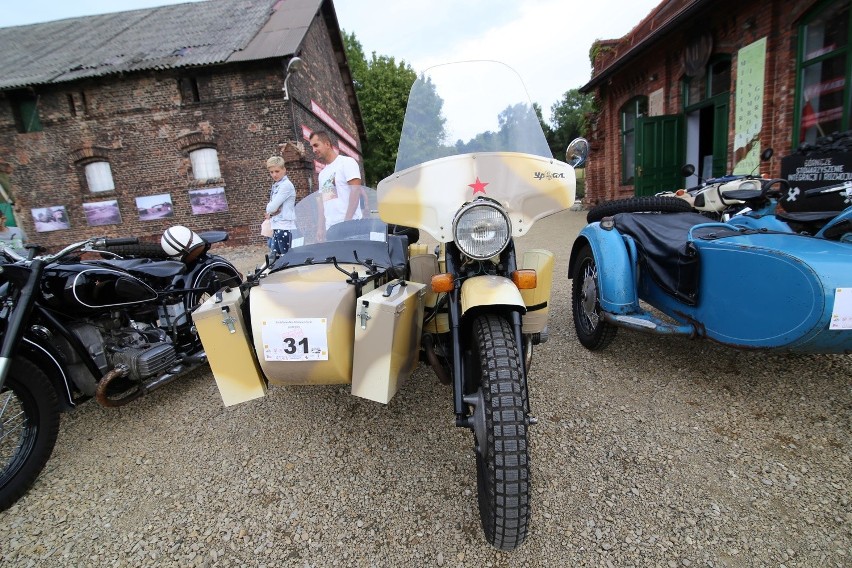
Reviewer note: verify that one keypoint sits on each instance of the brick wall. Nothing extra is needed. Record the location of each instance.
(733, 25)
(145, 129)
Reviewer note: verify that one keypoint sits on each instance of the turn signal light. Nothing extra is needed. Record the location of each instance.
(525, 279)
(442, 283)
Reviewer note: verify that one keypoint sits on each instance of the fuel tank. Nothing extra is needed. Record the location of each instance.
(81, 289)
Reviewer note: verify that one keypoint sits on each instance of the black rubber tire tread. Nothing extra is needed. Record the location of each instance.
(139, 250)
(503, 477)
(649, 204)
(592, 331)
(37, 399)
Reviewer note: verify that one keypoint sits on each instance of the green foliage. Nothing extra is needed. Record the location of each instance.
(424, 132)
(382, 86)
(568, 117)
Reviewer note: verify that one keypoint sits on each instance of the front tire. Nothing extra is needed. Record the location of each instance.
(592, 331)
(502, 459)
(29, 424)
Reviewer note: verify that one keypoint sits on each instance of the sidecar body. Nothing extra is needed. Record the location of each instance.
(335, 312)
(751, 289)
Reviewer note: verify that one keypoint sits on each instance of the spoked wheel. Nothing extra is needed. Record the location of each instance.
(592, 331)
(500, 429)
(29, 424)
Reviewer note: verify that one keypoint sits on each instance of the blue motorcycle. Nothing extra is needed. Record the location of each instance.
(754, 282)
(762, 211)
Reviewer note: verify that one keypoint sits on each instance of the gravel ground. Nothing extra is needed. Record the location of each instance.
(655, 452)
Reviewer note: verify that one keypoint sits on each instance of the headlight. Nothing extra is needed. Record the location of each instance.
(481, 229)
(750, 184)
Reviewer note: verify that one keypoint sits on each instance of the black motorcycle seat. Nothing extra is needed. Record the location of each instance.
(214, 236)
(661, 240)
(807, 216)
(148, 267)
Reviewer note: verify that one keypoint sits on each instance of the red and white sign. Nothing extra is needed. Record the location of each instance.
(341, 148)
(326, 118)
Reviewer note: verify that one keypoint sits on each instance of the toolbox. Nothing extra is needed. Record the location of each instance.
(225, 337)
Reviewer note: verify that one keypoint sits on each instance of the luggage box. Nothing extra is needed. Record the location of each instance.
(224, 334)
(388, 324)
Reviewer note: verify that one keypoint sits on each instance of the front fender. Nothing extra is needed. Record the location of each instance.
(49, 361)
(616, 269)
(193, 277)
(490, 290)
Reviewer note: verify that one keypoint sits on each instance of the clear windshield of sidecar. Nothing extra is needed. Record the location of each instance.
(320, 219)
(470, 131)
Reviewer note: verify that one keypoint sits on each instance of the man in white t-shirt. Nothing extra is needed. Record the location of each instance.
(339, 184)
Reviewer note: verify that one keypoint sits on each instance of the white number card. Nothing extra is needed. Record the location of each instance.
(841, 317)
(301, 339)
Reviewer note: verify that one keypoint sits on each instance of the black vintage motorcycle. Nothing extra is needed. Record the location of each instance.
(113, 328)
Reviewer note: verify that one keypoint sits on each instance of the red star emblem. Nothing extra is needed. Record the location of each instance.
(478, 187)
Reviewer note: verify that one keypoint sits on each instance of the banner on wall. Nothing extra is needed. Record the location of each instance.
(751, 67)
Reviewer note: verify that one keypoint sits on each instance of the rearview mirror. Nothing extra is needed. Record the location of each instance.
(577, 152)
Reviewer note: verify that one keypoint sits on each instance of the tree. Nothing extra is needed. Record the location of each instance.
(382, 87)
(568, 117)
(424, 133)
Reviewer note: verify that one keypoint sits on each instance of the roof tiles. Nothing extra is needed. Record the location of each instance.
(180, 35)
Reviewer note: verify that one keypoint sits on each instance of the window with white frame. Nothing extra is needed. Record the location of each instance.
(205, 163)
(99, 177)
(824, 72)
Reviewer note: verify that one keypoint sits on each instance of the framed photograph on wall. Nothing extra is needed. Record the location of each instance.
(53, 218)
(102, 213)
(209, 200)
(155, 207)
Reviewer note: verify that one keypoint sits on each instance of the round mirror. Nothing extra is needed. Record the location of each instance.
(577, 152)
(687, 170)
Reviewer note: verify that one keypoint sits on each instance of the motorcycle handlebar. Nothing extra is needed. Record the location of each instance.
(846, 186)
(121, 241)
(84, 245)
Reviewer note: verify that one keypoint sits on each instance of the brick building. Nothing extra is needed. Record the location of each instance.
(128, 123)
(712, 83)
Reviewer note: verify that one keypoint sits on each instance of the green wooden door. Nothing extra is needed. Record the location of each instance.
(660, 151)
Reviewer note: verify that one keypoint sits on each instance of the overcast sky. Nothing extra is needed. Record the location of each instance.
(546, 41)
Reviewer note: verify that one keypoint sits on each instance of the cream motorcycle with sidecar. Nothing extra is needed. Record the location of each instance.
(367, 303)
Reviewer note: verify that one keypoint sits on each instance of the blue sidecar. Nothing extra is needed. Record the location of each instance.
(744, 287)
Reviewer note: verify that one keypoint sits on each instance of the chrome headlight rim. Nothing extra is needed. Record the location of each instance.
(499, 244)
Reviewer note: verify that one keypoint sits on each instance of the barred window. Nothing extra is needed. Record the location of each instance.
(205, 164)
(99, 177)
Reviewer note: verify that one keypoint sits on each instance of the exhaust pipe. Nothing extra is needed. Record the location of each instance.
(144, 388)
(434, 361)
(101, 392)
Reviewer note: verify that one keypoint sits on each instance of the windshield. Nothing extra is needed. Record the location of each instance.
(311, 211)
(470, 132)
(468, 107)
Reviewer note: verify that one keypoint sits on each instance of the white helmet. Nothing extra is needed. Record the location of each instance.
(183, 242)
